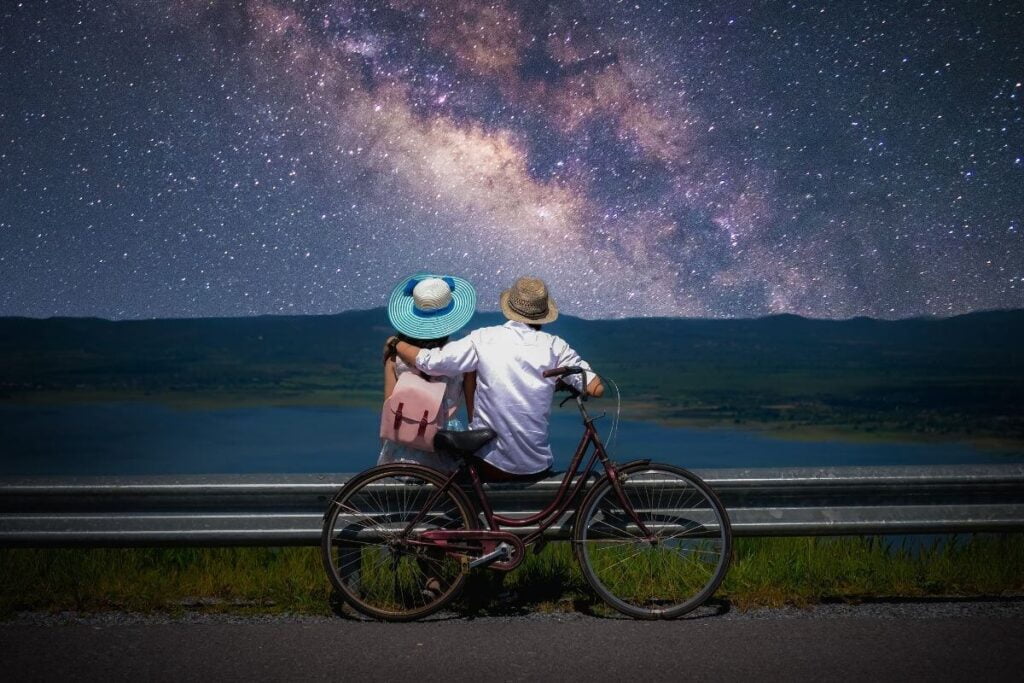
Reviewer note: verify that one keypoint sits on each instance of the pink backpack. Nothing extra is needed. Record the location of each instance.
(414, 412)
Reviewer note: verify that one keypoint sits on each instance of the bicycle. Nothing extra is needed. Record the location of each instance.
(653, 540)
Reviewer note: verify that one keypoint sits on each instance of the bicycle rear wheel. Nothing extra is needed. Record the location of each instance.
(679, 570)
(375, 569)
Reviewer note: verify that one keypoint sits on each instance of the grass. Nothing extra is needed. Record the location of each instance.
(765, 572)
(800, 571)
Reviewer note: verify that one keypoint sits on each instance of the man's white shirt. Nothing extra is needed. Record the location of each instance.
(512, 396)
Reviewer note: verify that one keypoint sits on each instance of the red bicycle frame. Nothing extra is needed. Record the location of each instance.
(567, 492)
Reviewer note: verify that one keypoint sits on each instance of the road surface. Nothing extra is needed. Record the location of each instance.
(893, 641)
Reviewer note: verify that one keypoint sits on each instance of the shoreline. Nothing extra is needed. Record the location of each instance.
(635, 411)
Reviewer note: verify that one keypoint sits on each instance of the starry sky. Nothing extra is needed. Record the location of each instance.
(703, 159)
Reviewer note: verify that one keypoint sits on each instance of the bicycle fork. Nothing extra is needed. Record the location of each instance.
(616, 482)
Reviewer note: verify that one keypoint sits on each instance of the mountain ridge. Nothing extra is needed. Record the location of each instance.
(929, 317)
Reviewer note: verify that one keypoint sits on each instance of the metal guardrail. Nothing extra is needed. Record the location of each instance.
(288, 509)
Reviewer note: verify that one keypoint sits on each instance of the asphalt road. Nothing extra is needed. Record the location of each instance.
(944, 641)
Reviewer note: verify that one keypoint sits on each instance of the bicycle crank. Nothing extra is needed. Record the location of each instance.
(501, 550)
(502, 553)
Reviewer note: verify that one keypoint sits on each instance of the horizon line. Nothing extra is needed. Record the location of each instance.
(919, 316)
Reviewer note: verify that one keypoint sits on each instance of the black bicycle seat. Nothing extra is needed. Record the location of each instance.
(462, 443)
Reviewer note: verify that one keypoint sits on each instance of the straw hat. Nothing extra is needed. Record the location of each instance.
(427, 306)
(528, 302)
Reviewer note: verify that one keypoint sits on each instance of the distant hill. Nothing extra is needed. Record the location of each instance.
(35, 349)
(969, 364)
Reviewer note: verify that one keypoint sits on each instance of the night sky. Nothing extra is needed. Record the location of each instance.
(713, 159)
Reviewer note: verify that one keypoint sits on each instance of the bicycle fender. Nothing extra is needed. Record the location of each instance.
(634, 463)
(361, 474)
(430, 472)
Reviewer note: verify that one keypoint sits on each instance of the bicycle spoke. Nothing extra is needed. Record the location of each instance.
(374, 524)
(684, 532)
(610, 544)
(628, 557)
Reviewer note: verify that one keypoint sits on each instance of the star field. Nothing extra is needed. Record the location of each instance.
(713, 159)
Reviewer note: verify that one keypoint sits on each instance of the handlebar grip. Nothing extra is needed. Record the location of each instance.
(566, 370)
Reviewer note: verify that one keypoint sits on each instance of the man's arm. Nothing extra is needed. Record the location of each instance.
(407, 352)
(567, 356)
(454, 358)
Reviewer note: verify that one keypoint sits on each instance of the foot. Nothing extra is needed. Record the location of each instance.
(432, 588)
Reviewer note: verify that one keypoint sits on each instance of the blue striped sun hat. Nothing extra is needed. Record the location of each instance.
(425, 306)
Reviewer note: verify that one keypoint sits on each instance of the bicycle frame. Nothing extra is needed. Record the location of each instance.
(567, 491)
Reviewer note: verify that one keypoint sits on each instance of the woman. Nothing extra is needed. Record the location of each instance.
(425, 310)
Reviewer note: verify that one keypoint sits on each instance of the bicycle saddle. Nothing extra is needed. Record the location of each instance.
(462, 443)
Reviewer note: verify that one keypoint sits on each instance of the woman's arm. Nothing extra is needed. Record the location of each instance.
(390, 377)
(469, 391)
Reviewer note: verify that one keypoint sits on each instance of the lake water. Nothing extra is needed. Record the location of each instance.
(149, 438)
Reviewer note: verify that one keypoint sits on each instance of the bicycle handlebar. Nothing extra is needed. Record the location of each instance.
(562, 371)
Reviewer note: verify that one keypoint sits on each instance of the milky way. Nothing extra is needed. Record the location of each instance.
(714, 159)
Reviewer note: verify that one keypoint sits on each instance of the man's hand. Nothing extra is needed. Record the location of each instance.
(389, 347)
(595, 388)
(407, 352)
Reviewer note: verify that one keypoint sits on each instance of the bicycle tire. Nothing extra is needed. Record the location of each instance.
(662, 580)
(365, 559)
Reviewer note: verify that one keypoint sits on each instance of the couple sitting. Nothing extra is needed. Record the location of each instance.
(498, 370)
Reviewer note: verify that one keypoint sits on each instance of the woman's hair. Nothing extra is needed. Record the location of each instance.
(422, 343)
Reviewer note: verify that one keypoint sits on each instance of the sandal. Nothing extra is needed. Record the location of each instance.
(432, 588)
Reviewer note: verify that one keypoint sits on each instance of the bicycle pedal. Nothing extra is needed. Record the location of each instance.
(499, 553)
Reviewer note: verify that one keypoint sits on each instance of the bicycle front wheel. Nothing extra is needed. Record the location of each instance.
(669, 574)
(368, 558)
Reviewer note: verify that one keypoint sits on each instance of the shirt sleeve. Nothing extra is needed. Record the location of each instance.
(452, 359)
(568, 356)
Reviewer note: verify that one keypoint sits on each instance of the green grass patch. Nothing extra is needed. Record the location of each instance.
(801, 571)
(166, 579)
(765, 572)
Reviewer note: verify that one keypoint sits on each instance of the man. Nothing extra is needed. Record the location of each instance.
(512, 397)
